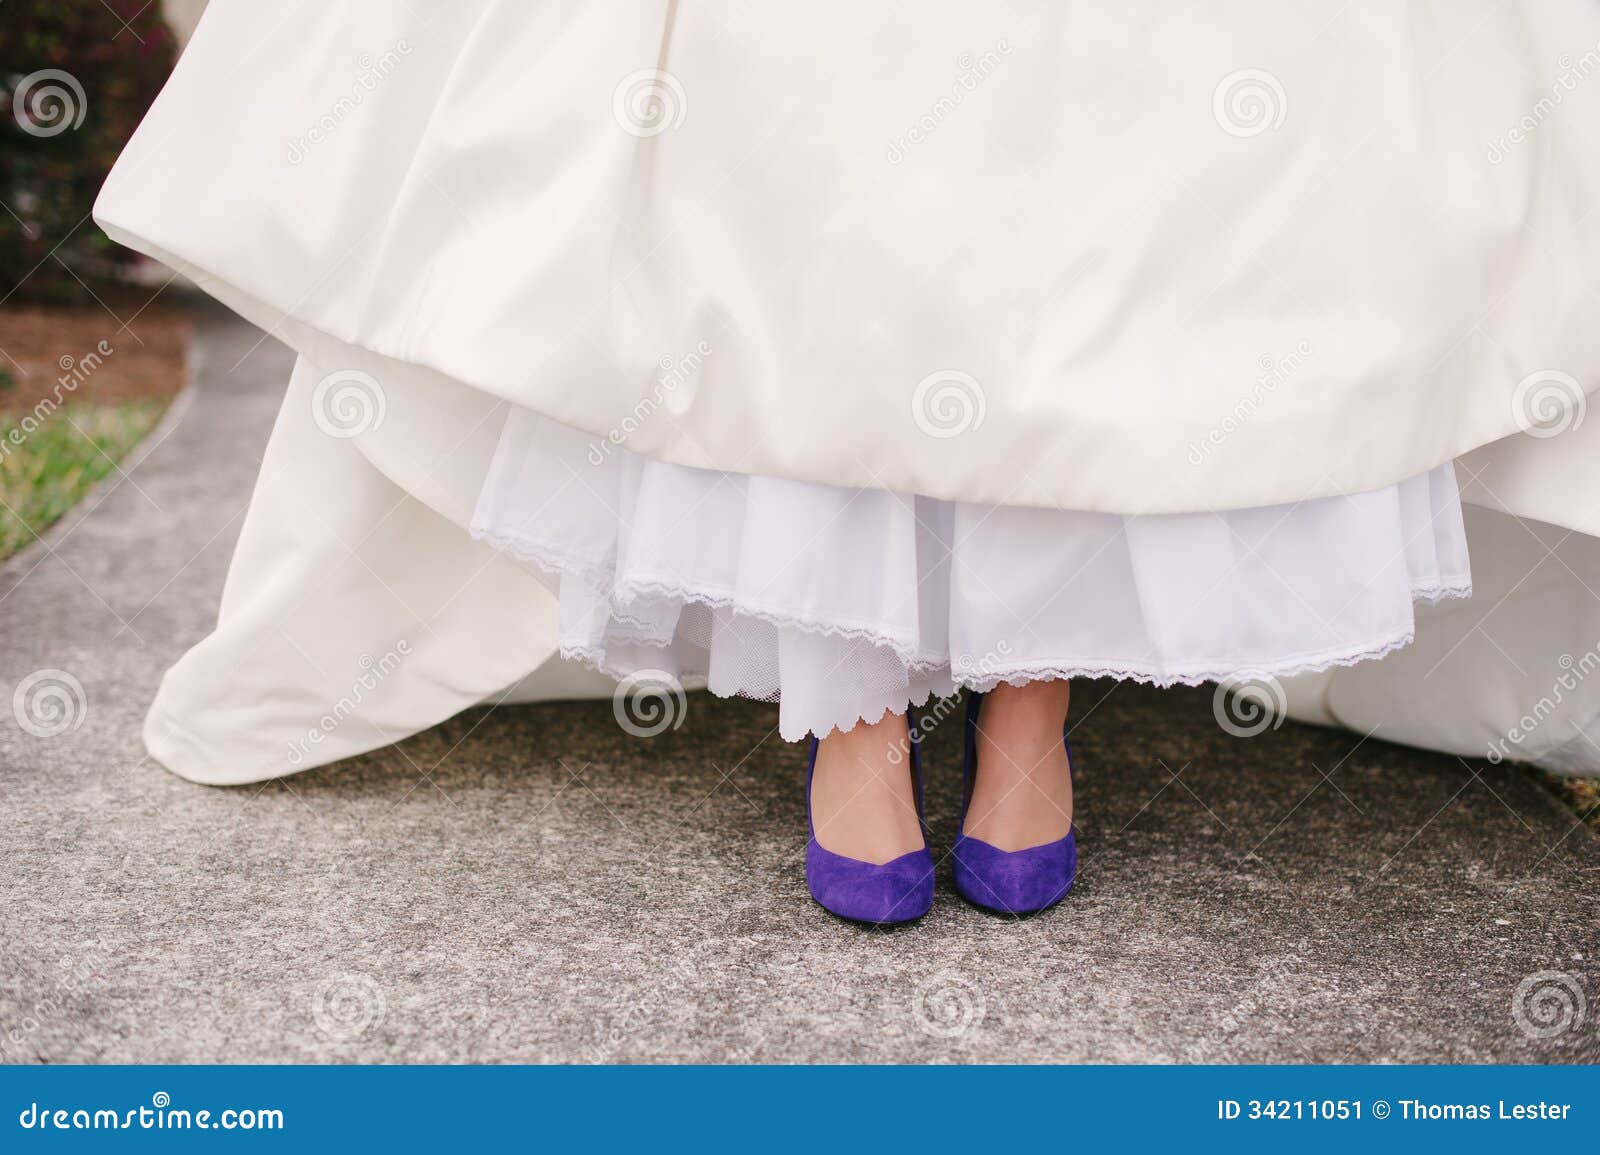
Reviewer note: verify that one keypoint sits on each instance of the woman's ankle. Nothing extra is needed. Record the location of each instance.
(1032, 710)
(1023, 793)
(863, 803)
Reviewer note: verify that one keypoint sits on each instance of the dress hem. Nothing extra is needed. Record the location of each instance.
(922, 665)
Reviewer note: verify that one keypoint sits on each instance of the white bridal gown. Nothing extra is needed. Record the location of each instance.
(844, 355)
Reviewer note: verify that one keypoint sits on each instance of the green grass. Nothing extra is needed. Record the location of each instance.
(57, 463)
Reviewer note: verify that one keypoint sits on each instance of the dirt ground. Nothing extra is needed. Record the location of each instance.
(128, 349)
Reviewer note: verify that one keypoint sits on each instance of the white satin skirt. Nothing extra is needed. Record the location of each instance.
(842, 604)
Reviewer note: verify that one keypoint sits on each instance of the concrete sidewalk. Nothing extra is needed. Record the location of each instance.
(531, 883)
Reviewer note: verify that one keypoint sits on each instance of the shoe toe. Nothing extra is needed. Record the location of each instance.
(1014, 881)
(900, 890)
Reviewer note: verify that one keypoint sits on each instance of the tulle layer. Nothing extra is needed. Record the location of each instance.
(846, 603)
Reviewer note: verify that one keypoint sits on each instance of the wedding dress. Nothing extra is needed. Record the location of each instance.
(844, 356)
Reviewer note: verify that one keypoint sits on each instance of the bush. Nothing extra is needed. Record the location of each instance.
(76, 77)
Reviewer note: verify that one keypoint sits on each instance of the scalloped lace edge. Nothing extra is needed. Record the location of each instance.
(920, 665)
(560, 564)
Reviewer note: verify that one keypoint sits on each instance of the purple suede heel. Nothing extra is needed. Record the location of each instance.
(900, 890)
(1007, 881)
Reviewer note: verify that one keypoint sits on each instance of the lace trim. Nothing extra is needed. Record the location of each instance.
(1432, 593)
(561, 564)
(1023, 673)
(1290, 667)
(893, 703)
(927, 674)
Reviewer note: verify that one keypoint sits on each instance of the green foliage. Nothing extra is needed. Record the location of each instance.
(44, 471)
(117, 54)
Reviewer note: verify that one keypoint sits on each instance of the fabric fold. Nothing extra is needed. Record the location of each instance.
(842, 603)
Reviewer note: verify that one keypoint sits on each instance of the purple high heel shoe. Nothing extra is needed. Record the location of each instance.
(900, 890)
(1008, 881)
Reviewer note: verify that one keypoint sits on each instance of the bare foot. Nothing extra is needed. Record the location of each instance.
(862, 802)
(1023, 795)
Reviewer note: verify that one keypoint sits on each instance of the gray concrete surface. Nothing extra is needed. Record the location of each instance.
(531, 883)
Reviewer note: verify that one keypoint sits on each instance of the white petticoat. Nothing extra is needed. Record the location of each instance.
(845, 603)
